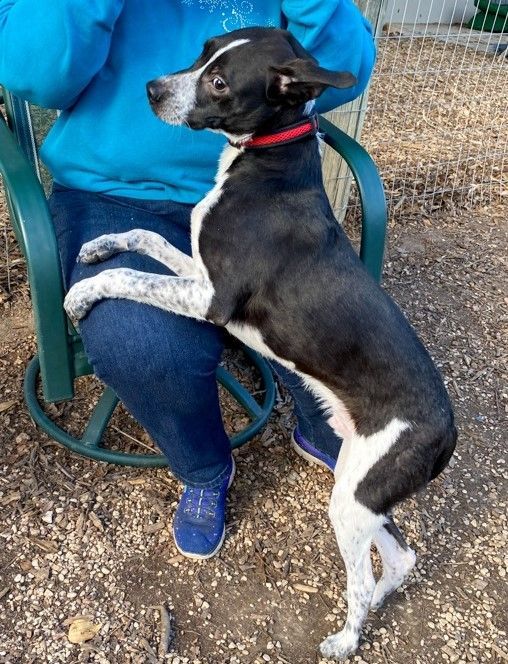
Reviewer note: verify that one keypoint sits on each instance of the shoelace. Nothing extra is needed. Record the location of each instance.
(200, 503)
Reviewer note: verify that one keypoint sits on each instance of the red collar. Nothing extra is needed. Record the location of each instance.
(289, 134)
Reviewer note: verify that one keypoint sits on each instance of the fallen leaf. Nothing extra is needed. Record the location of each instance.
(175, 559)
(5, 405)
(25, 565)
(80, 523)
(82, 630)
(10, 498)
(167, 630)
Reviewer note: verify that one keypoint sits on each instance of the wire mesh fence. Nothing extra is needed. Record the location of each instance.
(435, 117)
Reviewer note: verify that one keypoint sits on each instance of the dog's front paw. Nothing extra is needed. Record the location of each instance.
(101, 248)
(80, 299)
(339, 646)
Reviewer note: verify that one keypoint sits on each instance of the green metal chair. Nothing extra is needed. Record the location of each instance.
(61, 357)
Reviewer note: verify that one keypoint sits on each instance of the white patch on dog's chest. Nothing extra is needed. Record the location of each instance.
(200, 211)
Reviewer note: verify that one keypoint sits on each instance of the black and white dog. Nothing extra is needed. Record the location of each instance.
(271, 264)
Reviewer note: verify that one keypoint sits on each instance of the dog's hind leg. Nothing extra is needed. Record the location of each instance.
(355, 526)
(398, 560)
(143, 242)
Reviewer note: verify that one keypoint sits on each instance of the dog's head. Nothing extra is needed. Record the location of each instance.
(241, 80)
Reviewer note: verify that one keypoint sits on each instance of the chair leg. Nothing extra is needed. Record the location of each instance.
(89, 445)
(99, 420)
(258, 413)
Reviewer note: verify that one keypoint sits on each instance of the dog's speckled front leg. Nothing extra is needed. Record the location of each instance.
(82, 296)
(187, 297)
(143, 242)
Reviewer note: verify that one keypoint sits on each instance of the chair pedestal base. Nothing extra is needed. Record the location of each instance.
(89, 445)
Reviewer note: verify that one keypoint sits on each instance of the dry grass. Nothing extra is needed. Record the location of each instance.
(436, 124)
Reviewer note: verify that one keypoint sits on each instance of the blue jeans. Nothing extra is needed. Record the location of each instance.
(162, 366)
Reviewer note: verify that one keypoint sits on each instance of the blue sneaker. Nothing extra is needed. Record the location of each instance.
(310, 453)
(199, 526)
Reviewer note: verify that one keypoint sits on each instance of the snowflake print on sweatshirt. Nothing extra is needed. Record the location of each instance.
(234, 14)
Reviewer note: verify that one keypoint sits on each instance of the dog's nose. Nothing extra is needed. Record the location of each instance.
(154, 90)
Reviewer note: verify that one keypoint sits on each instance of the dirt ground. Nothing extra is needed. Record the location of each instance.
(81, 538)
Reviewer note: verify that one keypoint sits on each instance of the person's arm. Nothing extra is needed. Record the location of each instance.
(337, 35)
(51, 49)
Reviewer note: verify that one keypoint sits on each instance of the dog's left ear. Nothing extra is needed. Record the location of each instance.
(300, 80)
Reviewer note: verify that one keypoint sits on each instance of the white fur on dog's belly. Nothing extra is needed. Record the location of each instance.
(339, 417)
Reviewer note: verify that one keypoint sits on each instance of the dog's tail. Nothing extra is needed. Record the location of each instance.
(446, 448)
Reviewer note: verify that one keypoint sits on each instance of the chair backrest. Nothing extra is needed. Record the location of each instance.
(30, 125)
(59, 351)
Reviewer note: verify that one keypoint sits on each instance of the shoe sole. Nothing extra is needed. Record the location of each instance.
(205, 556)
(307, 456)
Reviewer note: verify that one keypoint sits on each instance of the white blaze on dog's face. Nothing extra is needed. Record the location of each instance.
(173, 97)
(241, 81)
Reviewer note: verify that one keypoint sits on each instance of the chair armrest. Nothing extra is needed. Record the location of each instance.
(372, 196)
(35, 233)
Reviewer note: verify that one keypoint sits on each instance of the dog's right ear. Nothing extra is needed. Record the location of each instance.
(301, 80)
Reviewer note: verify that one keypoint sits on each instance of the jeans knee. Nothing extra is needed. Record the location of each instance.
(138, 348)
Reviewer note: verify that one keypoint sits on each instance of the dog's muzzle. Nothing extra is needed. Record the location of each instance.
(173, 97)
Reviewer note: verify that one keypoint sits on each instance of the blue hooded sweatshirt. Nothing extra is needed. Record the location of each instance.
(92, 59)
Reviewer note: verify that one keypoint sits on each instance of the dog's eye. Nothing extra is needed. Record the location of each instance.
(218, 84)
